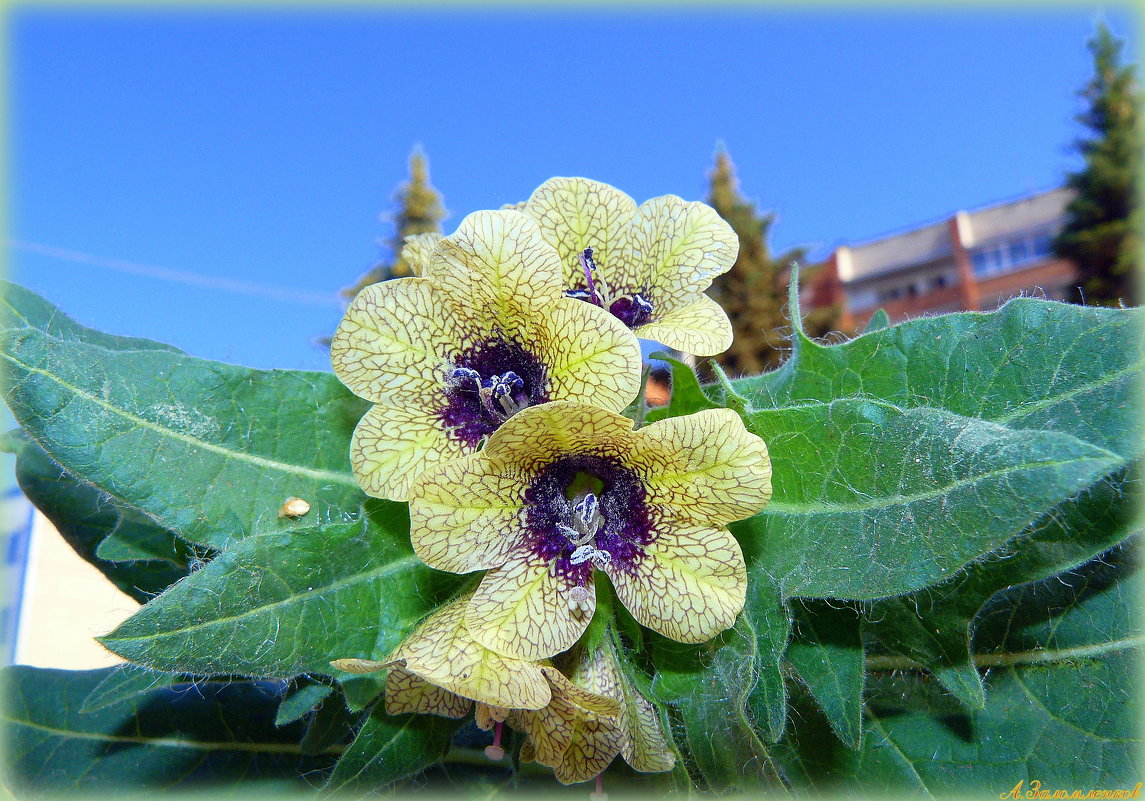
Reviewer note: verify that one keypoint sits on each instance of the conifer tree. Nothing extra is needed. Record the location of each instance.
(419, 211)
(754, 291)
(1101, 234)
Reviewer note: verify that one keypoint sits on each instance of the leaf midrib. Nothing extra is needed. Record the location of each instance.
(1037, 656)
(170, 742)
(380, 572)
(260, 461)
(1109, 458)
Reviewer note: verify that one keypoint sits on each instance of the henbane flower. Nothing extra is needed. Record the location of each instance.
(578, 743)
(563, 490)
(440, 669)
(648, 265)
(447, 357)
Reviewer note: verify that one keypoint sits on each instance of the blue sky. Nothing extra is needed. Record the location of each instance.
(247, 150)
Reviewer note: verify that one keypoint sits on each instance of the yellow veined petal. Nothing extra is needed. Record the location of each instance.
(496, 267)
(645, 747)
(443, 652)
(704, 467)
(417, 250)
(591, 356)
(585, 699)
(595, 743)
(675, 250)
(690, 584)
(406, 692)
(392, 446)
(698, 326)
(486, 715)
(465, 515)
(533, 437)
(393, 342)
(522, 610)
(355, 665)
(549, 729)
(576, 213)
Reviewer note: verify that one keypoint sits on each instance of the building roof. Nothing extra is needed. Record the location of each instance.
(932, 241)
(997, 222)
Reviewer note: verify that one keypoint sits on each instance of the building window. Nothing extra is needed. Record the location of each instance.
(1011, 254)
(861, 300)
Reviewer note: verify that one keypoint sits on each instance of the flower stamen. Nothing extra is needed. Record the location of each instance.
(501, 395)
(589, 267)
(495, 752)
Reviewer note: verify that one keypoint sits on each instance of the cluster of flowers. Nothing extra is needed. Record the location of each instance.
(497, 377)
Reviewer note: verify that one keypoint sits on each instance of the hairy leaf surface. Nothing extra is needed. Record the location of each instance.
(210, 735)
(1060, 707)
(209, 450)
(872, 500)
(285, 603)
(87, 518)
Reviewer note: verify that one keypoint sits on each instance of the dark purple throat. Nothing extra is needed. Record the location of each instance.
(490, 382)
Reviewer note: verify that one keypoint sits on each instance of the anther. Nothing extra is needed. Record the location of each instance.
(582, 554)
(587, 509)
(461, 375)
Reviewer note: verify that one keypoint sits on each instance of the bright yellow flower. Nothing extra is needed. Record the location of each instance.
(440, 661)
(563, 489)
(579, 743)
(440, 669)
(447, 357)
(648, 265)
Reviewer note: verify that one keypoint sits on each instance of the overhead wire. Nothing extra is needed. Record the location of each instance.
(253, 288)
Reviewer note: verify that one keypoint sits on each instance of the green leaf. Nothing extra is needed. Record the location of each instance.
(332, 723)
(934, 627)
(86, 517)
(1061, 702)
(922, 638)
(300, 701)
(872, 500)
(1032, 364)
(24, 309)
(879, 320)
(126, 682)
(208, 450)
(390, 748)
(725, 689)
(211, 735)
(826, 653)
(768, 623)
(687, 396)
(284, 603)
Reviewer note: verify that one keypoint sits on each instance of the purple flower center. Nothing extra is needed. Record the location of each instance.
(489, 383)
(634, 309)
(585, 511)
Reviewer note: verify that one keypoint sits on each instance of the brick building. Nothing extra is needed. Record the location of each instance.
(975, 260)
